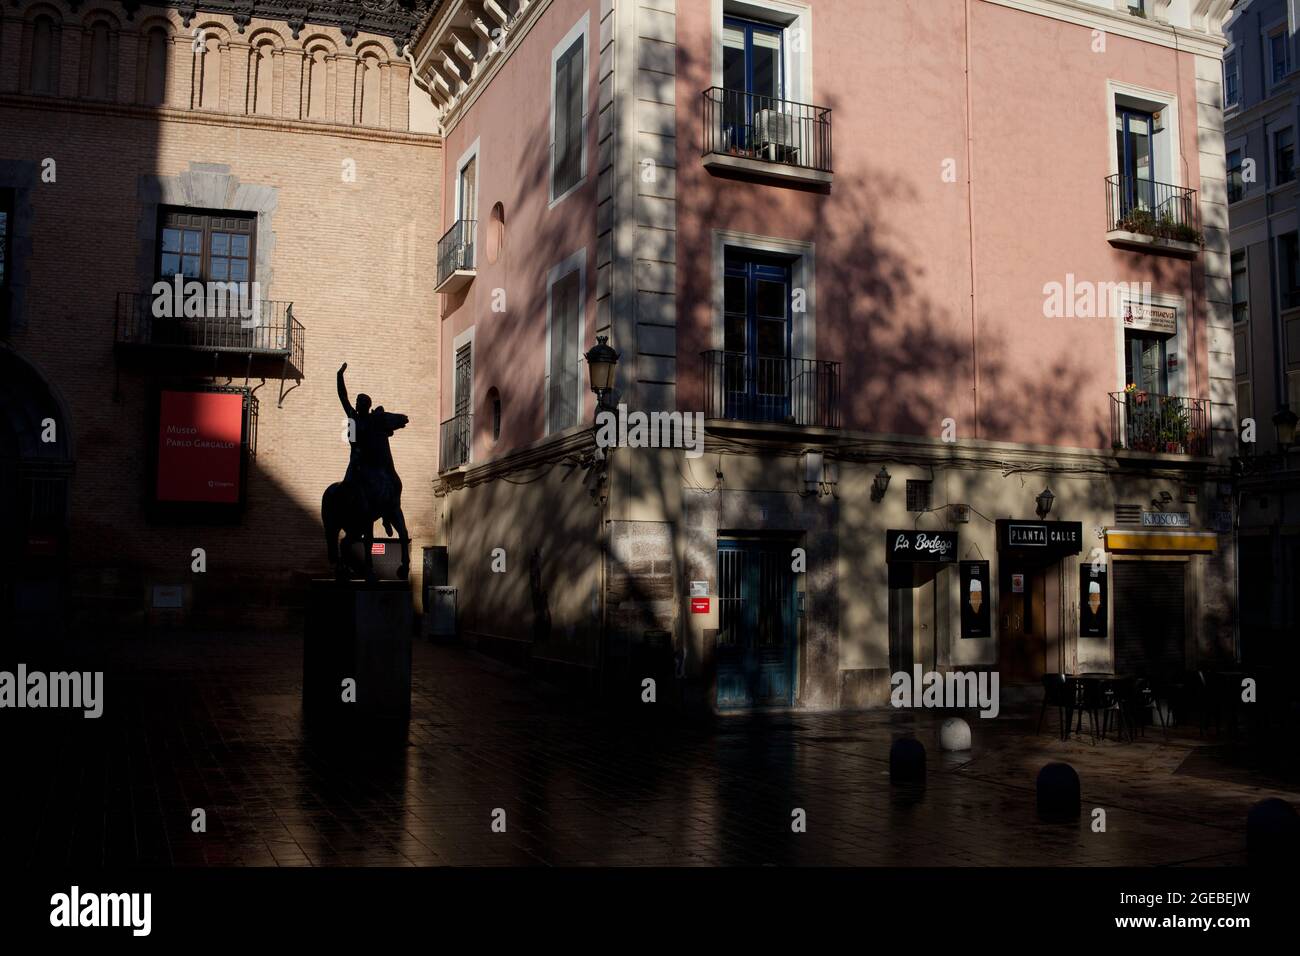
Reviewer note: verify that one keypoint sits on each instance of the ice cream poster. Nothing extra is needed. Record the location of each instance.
(976, 599)
(1094, 601)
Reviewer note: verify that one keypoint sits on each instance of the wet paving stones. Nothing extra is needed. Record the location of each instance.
(215, 723)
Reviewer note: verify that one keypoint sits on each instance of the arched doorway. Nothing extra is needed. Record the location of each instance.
(36, 456)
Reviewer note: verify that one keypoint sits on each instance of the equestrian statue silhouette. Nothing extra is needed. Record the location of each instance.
(370, 490)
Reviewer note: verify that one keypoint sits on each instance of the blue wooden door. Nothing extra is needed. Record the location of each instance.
(752, 65)
(757, 625)
(756, 338)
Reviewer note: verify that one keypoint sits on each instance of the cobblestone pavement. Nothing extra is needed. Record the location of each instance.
(215, 723)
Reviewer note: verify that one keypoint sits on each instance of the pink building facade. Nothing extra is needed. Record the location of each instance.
(946, 282)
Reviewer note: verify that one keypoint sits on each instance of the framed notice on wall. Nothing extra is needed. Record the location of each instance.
(1094, 601)
(976, 599)
(199, 446)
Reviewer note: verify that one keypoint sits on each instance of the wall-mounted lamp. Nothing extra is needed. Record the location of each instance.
(880, 484)
(602, 359)
(1284, 420)
(1044, 502)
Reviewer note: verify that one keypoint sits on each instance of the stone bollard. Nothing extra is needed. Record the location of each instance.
(907, 761)
(954, 734)
(1272, 833)
(1058, 793)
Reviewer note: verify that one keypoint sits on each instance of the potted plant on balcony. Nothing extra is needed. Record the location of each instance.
(1162, 226)
(1142, 421)
(1173, 426)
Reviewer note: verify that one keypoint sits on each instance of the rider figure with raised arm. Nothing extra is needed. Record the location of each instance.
(370, 462)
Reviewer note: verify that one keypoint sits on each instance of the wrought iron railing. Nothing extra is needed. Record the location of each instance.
(456, 249)
(751, 126)
(1153, 209)
(261, 327)
(751, 388)
(1166, 424)
(456, 435)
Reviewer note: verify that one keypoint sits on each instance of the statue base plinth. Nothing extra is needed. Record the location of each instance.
(360, 632)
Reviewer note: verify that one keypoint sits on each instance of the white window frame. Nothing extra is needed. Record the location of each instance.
(465, 338)
(790, 15)
(1270, 31)
(1231, 53)
(465, 157)
(1175, 345)
(1170, 170)
(803, 275)
(1244, 252)
(1272, 156)
(579, 29)
(574, 263)
(1241, 143)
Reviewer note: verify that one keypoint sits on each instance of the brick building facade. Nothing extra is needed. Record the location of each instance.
(288, 154)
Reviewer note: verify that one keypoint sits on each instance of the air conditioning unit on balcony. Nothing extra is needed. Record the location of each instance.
(776, 135)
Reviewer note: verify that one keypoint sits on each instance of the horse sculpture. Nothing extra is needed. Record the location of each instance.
(370, 491)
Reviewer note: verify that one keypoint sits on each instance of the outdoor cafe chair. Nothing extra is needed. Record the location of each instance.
(1145, 698)
(1057, 692)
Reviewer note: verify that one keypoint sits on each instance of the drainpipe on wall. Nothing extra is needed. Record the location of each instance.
(970, 219)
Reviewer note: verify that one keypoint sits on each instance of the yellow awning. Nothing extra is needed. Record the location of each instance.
(1161, 539)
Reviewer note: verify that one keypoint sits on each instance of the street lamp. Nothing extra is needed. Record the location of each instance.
(1044, 502)
(1284, 420)
(880, 484)
(602, 359)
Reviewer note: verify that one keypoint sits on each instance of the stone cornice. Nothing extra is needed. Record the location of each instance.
(1205, 37)
(48, 104)
(397, 19)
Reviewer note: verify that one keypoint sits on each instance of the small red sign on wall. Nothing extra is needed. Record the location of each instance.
(43, 546)
(700, 605)
(377, 547)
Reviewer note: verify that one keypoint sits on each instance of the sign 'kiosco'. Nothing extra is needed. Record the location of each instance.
(1166, 519)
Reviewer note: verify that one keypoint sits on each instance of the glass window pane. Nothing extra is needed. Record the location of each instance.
(239, 246)
(239, 270)
(734, 333)
(171, 240)
(221, 243)
(219, 269)
(190, 266)
(771, 338)
(733, 299)
(770, 299)
(733, 68)
(192, 242)
(767, 72)
(171, 264)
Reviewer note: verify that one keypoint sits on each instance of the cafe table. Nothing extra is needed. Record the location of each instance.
(1077, 683)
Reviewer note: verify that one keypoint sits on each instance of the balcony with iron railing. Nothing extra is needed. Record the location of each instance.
(1160, 424)
(456, 435)
(771, 138)
(456, 267)
(1150, 216)
(783, 391)
(263, 333)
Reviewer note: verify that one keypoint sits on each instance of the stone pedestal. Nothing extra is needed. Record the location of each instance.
(359, 631)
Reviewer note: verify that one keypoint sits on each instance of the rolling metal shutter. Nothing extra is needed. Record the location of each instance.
(1150, 625)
